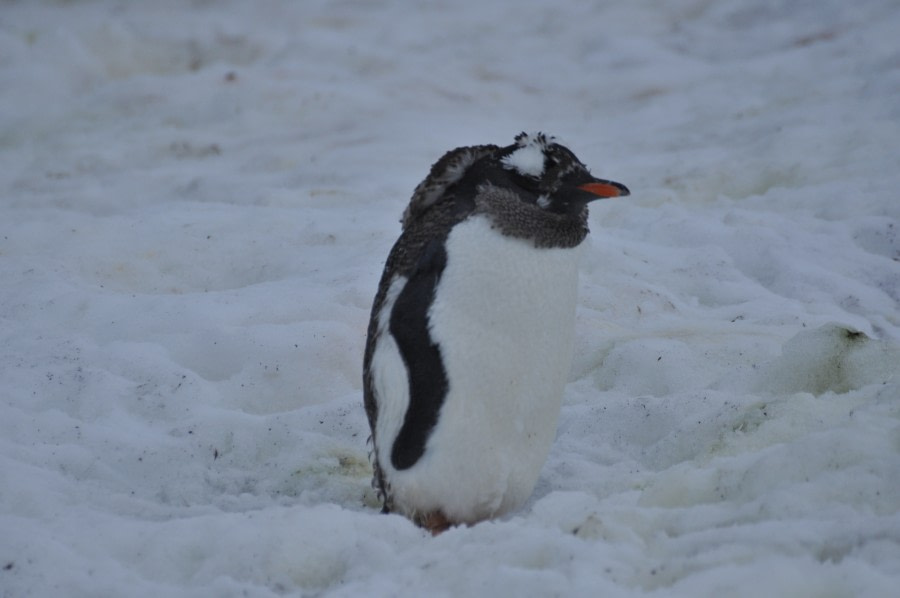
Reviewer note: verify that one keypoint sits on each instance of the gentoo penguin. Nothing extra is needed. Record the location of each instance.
(472, 330)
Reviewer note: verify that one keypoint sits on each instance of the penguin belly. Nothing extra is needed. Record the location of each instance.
(503, 316)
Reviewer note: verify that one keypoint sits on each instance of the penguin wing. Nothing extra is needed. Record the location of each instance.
(444, 173)
(422, 356)
(407, 324)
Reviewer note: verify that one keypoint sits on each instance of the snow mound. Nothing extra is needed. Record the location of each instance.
(831, 358)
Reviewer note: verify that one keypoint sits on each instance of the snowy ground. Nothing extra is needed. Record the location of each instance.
(196, 199)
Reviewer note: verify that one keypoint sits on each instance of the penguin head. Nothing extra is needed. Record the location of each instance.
(535, 167)
(551, 174)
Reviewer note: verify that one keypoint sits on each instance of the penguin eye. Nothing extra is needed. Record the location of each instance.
(553, 163)
(530, 183)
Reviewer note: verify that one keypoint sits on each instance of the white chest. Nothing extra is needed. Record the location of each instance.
(503, 317)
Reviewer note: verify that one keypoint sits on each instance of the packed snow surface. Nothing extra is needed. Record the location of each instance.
(196, 200)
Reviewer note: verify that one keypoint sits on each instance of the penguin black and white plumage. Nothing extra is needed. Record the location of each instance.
(471, 336)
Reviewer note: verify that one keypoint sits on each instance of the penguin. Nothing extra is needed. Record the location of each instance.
(471, 334)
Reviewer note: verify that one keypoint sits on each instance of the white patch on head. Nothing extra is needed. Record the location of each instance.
(543, 201)
(528, 159)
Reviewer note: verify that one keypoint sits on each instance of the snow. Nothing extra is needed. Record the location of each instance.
(196, 200)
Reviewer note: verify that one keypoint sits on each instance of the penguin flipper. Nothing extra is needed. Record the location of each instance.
(422, 356)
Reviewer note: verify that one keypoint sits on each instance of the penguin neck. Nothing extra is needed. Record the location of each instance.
(516, 218)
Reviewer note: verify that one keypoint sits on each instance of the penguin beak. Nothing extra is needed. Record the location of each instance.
(602, 188)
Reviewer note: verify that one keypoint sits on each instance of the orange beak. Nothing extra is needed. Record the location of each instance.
(602, 188)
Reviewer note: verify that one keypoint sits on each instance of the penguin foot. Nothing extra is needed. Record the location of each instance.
(435, 522)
